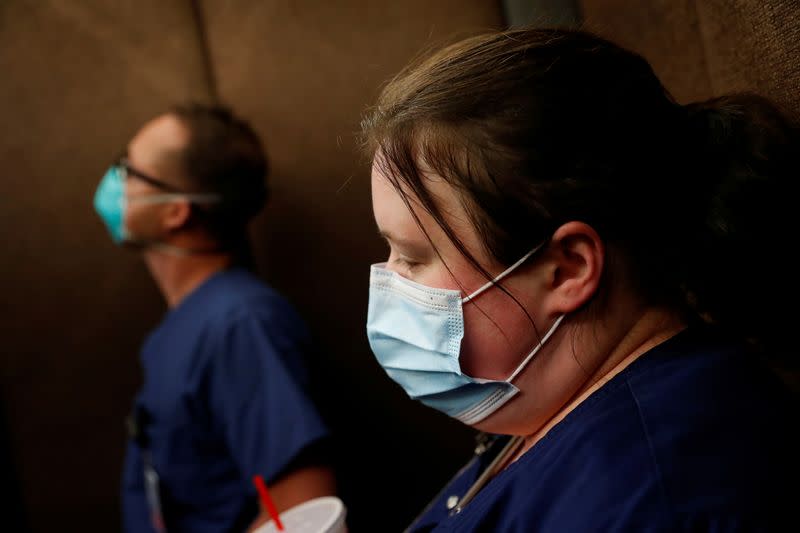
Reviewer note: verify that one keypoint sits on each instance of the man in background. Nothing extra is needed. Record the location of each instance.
(223, 397)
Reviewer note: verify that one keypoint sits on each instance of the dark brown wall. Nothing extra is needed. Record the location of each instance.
(705, 48)
(78, 78)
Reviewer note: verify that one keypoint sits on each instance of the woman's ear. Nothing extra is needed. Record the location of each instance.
(576, 254)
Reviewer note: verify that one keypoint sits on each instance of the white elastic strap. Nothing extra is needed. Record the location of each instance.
(536, 349)
(502, 275)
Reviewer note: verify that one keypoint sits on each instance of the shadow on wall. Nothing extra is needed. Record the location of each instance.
(14, 517)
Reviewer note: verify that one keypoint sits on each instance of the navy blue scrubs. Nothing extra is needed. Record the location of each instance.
(224, 399)
(694, 436)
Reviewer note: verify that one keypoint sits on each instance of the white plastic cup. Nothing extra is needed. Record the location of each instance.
(320, 515)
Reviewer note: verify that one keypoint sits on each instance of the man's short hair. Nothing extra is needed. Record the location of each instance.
(224, 156)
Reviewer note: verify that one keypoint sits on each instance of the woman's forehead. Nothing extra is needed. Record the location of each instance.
(393, 211)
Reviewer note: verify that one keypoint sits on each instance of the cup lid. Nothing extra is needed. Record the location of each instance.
(319, 515)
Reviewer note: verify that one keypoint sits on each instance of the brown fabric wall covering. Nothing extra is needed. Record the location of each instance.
(77, 80)
(753, 45)
(705, 48)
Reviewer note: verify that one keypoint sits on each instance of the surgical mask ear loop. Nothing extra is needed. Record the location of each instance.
(502, 275)
(490, 284)
(536, 349)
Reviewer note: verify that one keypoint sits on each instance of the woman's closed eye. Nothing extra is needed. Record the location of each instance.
(403, 264)
(406, 262)
(405, 256)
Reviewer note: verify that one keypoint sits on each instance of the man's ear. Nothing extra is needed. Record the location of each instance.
(576, 254)
(176, 214)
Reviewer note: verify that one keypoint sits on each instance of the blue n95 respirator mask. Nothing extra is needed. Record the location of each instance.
(415, 332)
(111, 203)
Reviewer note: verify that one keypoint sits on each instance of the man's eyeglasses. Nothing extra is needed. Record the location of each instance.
(127, 170)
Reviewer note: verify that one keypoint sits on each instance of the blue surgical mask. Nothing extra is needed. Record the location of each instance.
(416, 331)
(110, 202)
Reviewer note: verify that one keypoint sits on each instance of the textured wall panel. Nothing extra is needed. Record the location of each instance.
(753, 45)
(705, 48)
(78, 78)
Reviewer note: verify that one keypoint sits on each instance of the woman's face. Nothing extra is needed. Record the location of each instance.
(497, 331)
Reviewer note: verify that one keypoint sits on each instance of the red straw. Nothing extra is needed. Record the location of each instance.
(258, 481)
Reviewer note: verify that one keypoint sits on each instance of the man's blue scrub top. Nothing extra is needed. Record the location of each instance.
(693, 436)
(224, 389)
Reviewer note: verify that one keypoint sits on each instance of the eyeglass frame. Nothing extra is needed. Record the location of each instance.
(123, 163)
